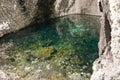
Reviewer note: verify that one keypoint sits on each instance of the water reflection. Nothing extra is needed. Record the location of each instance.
(72, 27)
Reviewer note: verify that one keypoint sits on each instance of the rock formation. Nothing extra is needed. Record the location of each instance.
(3, 76)
(17, 14)
(107, 67)
(65, 7)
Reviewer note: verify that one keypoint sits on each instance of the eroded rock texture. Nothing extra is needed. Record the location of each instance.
(64, 7)
(17, 14)
(107, 66)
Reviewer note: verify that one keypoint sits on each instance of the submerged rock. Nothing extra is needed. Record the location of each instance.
(45, 52)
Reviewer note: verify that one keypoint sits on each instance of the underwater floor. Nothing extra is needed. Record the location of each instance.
(58, 49)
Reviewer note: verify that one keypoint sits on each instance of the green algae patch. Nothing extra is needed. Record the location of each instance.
(45, 52)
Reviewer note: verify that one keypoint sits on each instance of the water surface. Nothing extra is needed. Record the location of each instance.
(68, 44)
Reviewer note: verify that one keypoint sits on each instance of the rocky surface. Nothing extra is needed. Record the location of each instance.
(65, 7)
(17, 14)
(3, 76)
(107, 66)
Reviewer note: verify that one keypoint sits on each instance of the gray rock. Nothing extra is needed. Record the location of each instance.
(107, 66)
(65, 7)
(16, 14)
(3, 76)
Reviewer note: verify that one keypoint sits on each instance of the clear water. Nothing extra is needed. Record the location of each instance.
(68, 43)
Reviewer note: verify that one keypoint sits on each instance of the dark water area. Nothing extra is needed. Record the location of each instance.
(69, 43)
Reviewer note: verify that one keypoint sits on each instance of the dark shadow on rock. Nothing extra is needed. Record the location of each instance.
(44, 10)
(22, 5)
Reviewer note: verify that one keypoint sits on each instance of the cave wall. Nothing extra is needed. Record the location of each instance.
(65, 7)
(17, 14)
(107, 67)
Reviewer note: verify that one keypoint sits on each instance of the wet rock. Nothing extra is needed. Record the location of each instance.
(45, 52)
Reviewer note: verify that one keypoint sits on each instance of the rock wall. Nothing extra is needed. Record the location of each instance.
(65, 7)
(107, 66)
(17, 14)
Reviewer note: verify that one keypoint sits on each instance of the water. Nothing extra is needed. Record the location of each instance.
(68, 44)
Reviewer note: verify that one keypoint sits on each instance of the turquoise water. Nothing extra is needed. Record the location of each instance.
(68, 43)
